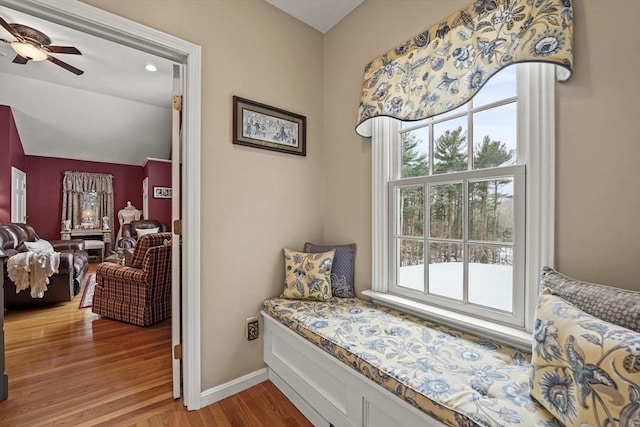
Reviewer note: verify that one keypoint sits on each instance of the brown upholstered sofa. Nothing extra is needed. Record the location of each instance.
(63, 285)
(129, 235)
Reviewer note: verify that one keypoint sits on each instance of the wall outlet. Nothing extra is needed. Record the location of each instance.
(253, 328)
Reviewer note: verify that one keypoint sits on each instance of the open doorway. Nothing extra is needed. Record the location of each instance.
(101, 24)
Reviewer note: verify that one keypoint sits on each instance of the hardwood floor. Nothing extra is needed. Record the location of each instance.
(69, 367)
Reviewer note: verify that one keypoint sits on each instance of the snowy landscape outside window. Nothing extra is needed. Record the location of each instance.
(457, 202)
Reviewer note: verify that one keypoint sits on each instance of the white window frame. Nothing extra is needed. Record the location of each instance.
(515, 172)
(536, 128)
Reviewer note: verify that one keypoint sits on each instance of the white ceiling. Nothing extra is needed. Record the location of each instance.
(116, 111)
(319, 14)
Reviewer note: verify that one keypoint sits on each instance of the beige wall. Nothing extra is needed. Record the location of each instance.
(254, 202)
(598, 148)
(598, 134)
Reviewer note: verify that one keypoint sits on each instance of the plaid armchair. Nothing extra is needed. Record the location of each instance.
(139, 293)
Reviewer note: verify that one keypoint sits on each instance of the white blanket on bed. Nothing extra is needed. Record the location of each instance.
(32, 269)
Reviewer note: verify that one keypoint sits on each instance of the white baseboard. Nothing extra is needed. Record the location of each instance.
(232, 387)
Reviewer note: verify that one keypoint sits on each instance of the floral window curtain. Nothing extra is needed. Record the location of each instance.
(74, 184)
(446, 65)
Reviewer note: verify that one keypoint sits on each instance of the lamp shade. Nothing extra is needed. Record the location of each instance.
(29, 51)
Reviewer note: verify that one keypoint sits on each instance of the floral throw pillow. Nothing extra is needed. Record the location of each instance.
(308, 275)
(585, 371)
(343, 265)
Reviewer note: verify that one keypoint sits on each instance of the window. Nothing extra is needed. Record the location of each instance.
(463, 202)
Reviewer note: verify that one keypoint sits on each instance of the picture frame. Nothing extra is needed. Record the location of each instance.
(263, 126)
(162, 192)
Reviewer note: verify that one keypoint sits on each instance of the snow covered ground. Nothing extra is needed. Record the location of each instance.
(490, 285)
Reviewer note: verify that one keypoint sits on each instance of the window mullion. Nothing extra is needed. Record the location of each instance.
(465, 240)
(427, 232)
(431, 149)
(427, 198)
(470, 141)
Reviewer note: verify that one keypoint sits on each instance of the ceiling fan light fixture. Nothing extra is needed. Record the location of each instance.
(29, 51)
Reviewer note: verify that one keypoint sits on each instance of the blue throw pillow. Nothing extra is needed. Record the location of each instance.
(343, 266)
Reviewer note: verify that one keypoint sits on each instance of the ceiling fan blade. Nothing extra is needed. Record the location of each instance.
(63, 49)
(20, 60)
(64, 65)
(11, 30)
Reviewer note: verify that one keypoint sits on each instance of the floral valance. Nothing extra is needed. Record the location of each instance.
(446, 65)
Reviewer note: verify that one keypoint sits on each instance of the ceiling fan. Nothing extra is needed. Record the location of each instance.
(33, 45)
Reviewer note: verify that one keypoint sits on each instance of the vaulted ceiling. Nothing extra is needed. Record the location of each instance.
(116, 111)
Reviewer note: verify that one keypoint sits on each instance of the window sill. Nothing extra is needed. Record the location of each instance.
(505, 334)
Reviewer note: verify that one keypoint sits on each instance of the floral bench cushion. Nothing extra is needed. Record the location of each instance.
(457, 378)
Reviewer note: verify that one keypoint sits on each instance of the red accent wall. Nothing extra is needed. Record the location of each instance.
(44, 182)
(17, 152)
(5, 166)
(9, 143)
(44, 189)
(159, 174)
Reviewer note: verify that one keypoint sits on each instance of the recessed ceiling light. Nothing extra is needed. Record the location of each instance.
(151, 68)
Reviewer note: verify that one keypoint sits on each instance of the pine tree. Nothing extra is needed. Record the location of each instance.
(450, 152)
(491, 154)
(486, 225)
(450, 155)
(414, 163)
(445, 200)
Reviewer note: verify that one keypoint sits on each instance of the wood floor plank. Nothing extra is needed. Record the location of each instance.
(70, 367)
(218, 416)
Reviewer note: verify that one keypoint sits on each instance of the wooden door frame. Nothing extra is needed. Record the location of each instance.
(94, 21)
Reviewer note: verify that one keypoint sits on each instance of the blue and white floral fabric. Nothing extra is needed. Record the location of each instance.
(586, 371)
(307, 275)
(457, 378)
(447, 64)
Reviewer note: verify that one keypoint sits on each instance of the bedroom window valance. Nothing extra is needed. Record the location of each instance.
(446, 65)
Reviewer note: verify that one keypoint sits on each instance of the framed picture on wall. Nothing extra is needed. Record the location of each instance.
(162, 192)
(270, 128)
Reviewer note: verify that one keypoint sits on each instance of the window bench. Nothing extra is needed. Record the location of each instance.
(353, 363)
